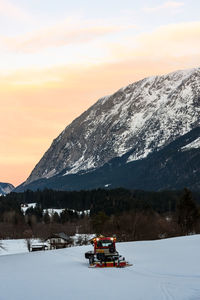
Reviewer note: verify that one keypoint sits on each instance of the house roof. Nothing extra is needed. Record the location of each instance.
(61, 235)
(38, 245)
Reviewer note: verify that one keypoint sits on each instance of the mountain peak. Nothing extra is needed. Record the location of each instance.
(142, 117)
(5, 188)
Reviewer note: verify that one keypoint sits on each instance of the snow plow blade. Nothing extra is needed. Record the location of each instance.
(109, 264)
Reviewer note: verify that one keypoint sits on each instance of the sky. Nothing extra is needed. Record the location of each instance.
(57, 58)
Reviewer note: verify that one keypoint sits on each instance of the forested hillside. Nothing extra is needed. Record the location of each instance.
(132, 215)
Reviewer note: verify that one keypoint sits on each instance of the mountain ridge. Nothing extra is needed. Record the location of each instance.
(169, 168)
(6, 188)
(143, 117)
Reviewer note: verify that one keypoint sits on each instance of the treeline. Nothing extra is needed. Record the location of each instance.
(131, 215)
(109, 201)
(18, 221)
(147, 223)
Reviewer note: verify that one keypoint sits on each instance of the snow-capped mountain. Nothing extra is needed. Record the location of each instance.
(137, 120)
(5, 188)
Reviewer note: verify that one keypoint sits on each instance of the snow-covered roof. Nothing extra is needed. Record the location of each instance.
(61, 235)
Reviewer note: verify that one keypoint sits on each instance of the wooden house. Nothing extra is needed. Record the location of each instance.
(58, 241)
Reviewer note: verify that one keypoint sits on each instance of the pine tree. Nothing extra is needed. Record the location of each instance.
(187, 213)
(98, 221)
(56, 218)
(64, 216)
(46, 217)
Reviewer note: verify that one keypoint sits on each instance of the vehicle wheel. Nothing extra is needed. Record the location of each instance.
(91, 260)
(101, 256)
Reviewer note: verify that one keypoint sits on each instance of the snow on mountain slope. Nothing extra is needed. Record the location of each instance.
(144, 116)
(165, 269)
(193, 145)
(6, 188)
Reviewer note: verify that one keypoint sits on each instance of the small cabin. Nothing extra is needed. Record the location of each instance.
(58, 241)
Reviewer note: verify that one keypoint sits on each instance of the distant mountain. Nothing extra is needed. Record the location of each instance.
(6, 188)
(126, 139)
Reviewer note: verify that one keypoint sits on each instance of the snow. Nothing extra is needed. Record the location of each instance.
(193, 145)
(13, 247)
(52, 211)
(107, 185)
(88, 164)
(50, 173)
(29, 205)
(156, 100)
(80, 236)
(16, 246)
(164, 269)
(5, 188)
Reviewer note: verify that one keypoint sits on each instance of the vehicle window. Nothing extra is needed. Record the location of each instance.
(106, 243)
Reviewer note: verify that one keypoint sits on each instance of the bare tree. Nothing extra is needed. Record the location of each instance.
(1, 246)
(28, 243)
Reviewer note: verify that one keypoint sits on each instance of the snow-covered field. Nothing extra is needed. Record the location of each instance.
(164, 269)
(13, 247)
(20, 245)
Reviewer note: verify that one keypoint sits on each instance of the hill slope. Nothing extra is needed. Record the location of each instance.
(174, 167)
(165, 269)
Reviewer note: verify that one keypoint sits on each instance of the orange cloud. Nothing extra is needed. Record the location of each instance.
(166, 5)
(176, 40)
(168, 43)
(61, 34)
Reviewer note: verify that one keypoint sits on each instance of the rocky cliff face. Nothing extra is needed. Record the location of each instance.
(175, 166)
(141, 118)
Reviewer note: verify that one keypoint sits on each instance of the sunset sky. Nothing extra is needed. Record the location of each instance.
(58, 57)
